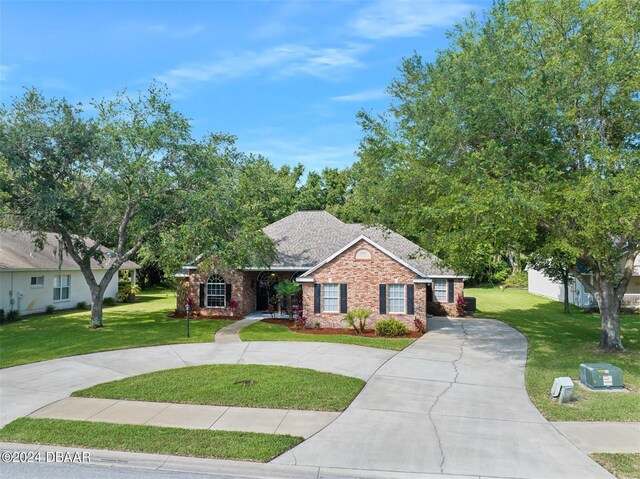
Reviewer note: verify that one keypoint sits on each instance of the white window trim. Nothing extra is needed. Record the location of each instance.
(224, 293)
(404, 299)
(37, 285)
(322, 298)
(446, 290)
(68, 298)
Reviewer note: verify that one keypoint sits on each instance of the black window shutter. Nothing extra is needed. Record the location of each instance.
(429, 293)
(450, 290)
(343, 298)
(228, 293)
(409, 299)
(383, 299)
(202, 295)
(316, 298)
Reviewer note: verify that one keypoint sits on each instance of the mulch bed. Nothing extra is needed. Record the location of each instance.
(370, 333)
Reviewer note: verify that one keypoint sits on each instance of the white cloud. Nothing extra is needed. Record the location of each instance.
(4, 70)
(283, 60)
(406, 18)
(365, 95)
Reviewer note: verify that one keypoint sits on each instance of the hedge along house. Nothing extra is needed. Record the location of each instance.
(340, 266)
(31, 279)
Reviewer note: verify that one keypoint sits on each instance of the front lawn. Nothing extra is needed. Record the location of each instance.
(247, 446)
(262, 331)
(236, 385)
(623, 466)
(558, 343)
(143, 323)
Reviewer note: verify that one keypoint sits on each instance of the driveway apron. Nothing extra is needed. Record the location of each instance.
(454, 402)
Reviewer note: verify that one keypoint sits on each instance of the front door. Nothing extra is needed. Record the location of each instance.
(264, 293)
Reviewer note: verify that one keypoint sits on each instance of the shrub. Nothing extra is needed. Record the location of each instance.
(12, 315)
(233, 304)
(301, 322)
(357, 319)
(518, 280)
(127, 293)
(108, 301)
(436, 309)
(81, 305)
(1, 315)
(461, 305)
(391, 328)
(420, 325)
(49, 309)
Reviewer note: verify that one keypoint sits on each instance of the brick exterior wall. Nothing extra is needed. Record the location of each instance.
(243, 290)
(449, 308)
(363, 278)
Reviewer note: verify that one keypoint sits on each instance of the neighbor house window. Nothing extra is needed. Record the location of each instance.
(61, 287)
(330, 298)
(396, 298)
(215, 291)
(37, 281)
(440, 290)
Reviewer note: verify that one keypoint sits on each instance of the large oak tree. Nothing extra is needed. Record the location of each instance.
(522, 135)
(129, 176)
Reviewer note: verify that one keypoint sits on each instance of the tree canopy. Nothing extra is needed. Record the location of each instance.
(523, 133)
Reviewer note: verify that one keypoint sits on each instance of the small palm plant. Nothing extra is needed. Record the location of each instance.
(288, 289)
(357, 319)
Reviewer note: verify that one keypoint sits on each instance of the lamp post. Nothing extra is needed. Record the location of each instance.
(188, 308)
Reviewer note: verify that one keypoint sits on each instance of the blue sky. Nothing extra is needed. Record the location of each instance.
(287, 77)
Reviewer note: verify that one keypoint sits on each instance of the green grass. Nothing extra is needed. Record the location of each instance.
(249, 446)
(623, 466)
(262, 331)
(558, 343)
(216, 384)
(143, 323)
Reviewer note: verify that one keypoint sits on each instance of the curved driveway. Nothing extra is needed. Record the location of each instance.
(453, 402)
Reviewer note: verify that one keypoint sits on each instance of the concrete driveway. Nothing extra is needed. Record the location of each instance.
(454, 403)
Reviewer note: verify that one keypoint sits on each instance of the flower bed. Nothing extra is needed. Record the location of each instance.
(350, 332)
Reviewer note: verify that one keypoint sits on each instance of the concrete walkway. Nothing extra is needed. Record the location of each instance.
(614, 437)
(454, 402)
(189, 416)
(229, 334)
(24, 389)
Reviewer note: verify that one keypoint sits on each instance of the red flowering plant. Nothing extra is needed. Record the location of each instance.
(233, 304)
(420, 325)
(461, 305)
(301, 322)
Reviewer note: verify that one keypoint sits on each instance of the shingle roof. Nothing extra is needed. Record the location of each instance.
(306, 238)
(18, 252)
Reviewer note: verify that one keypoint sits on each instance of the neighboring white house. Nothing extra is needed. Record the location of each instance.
(543, 286)
(31, 279)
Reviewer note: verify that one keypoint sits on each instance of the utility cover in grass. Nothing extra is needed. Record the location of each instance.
(245, 385)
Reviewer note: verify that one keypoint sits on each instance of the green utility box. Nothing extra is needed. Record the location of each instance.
(601, 376)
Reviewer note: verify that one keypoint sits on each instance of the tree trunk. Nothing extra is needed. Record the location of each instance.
(97, 295)
(565, 283)
(609, 304)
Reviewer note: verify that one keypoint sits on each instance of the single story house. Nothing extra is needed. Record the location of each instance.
(542, 285)
(31, 280)
(340, 267)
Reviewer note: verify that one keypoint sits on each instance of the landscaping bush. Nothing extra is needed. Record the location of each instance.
(420, 325)
(461, 306)
(518, 280)
(436, 309)
(11, 316)
(390, 328)
(81, 305)
(357, 319)
(49, 309)
(127, 293)
(301, 322)
(1, 315)
(108, 301)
